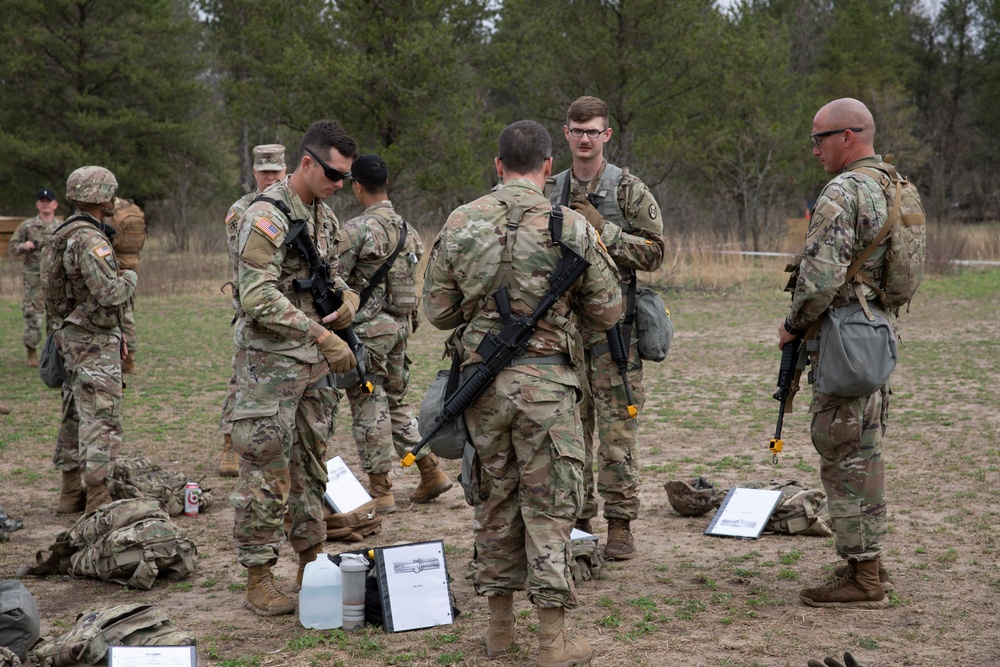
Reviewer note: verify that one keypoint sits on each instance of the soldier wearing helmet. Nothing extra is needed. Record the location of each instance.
(85, 294)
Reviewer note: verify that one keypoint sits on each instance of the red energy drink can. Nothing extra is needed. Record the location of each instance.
(191, 493)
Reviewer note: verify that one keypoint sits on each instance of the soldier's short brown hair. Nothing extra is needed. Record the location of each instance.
(586, 108)
(524, 147)
(326, 134)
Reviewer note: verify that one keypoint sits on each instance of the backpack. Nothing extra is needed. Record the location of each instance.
(19, 624)
(907, 246)
(130, 224)
(141, 478)
(399, 271)
(353, 526)
(800, 511)
(55, 287)
(88, 640)
(129, 542)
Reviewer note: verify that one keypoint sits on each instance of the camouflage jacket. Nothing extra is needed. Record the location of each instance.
(636, 246)
(466, 257)
(848, 215)
(233, 218)
(365, 243)
(34, 230)
(275, 317)
(98, 292)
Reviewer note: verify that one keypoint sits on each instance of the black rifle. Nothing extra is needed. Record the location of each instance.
(786, 375)
(325, 298)
(499, 349)
(617, 349)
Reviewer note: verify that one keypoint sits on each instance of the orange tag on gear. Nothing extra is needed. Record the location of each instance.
(229, 217)
(102, 251)
(268, 228)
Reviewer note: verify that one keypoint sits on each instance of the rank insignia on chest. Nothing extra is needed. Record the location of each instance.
(268, 228)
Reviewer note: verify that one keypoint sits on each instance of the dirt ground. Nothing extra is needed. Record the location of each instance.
(686, 599)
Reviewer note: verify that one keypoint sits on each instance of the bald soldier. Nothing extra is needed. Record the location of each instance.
(846, 430)
(268, 169)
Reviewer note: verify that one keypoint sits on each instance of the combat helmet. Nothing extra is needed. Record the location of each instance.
(694, 497)
(91, 185)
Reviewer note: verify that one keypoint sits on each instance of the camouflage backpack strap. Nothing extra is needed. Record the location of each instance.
(353, 526)
(383, 271)
(855, 267)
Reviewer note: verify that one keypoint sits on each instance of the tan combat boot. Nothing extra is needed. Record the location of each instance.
(72, 498)
(858, 589)
(841, 571)
(97, 495)
(128, 363)
(306, 557)
(621, 544)
(381, 489)
(32, 356)
(263, 597)
(229, 463)
(554, 650)
(500, 634)
(433, 481)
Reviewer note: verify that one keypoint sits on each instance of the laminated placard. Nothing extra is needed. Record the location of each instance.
(744, 513)
(152, 656)
(413, 584)
(343, 490)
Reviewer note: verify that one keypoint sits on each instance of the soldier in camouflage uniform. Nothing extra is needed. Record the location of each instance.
(268, 169)
(24, 243)
(384, 420)
(285, 408)
(847, 432)
(630, 225)
(87, 299)
(525, 426)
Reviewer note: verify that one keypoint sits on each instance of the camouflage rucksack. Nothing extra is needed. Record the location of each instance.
(399, 270)
(130, 542)
(586, 560)
(130, 223)
(907, 245)
(353, 526)
(87, 642)
(141, 478)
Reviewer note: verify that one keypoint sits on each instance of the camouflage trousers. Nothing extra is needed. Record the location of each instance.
(384, 422)
(847, 433)
(33, 309)
(226, 418)
(90, 432)
(605, 408)
(128, 326)
(284, 414)
(527, 433)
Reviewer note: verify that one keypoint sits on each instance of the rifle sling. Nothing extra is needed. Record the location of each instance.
(383, 271)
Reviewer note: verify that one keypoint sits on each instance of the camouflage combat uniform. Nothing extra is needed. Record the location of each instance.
(233, 218)
(33, 302)
(90, 341)
(129, 222)
(285, 409)
(525, 426)
(384, 420)
(633, 235)
(847, 432)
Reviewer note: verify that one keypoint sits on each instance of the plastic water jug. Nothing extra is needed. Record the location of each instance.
(355, 570)
(320, 600)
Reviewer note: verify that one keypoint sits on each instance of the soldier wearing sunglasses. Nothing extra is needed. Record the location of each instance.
(285, 408)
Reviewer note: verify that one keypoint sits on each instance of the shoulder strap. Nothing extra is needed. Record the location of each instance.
(856, 265)
(295, 229)
(383, 270)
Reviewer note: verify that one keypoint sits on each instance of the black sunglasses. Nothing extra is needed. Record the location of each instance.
(332, 174)
(815, 138)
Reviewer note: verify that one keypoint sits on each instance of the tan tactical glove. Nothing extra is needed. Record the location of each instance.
(849, 661)
(337, 354)
(345, 314)
(587, 210)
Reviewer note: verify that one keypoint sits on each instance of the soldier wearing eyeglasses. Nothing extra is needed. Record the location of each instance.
(285, 409)
(625, 214)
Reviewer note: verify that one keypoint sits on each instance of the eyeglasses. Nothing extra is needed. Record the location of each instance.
(817, 138)
(332, 174)
(579, 132)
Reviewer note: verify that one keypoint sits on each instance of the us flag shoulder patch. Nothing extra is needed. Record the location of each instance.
(102, 251)
(268, 228)
(229, 217)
